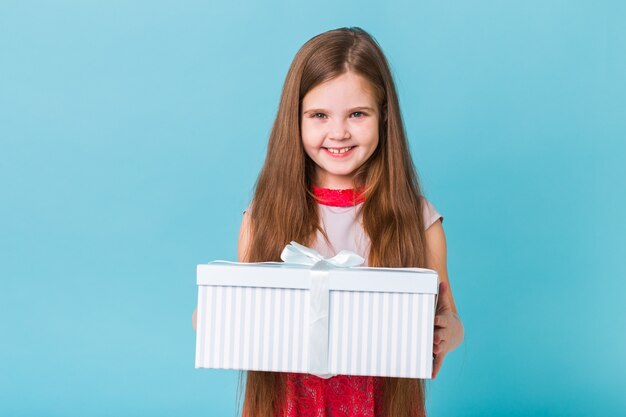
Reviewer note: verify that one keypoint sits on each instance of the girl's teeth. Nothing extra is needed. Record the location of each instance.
(342, 150)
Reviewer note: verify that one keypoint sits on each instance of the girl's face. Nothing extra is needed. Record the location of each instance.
(339, 128)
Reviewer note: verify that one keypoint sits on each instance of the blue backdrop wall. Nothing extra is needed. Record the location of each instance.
(131, 134)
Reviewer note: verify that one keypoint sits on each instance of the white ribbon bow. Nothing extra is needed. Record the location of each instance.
(296, 253)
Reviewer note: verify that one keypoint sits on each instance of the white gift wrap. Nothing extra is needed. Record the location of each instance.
(319, 319)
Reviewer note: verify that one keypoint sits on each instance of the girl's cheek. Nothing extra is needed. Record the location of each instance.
(366, 128)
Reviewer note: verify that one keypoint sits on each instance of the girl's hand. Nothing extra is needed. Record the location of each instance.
(448, 332)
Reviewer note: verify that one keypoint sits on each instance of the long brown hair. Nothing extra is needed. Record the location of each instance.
(283, 208)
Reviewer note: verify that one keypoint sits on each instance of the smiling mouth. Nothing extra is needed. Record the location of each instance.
(339, 151)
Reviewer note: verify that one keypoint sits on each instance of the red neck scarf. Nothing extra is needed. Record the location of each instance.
(338, 198)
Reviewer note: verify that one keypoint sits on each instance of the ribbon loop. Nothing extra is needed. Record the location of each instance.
(296, 253)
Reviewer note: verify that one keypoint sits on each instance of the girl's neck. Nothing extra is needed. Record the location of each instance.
(333, 182)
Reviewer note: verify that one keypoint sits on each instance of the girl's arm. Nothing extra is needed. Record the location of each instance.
(244, 238)
(449, 331)
(242, 250)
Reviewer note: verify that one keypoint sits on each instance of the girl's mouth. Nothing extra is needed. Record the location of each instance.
(339, 152)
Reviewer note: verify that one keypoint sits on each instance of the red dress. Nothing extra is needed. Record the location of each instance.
(339, 396)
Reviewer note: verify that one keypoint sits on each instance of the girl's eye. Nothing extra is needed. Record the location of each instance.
(358, 114)
(319, 116)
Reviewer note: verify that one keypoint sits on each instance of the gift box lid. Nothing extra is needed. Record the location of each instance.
(285, 275)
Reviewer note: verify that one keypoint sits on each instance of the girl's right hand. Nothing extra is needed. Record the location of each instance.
(448, 332)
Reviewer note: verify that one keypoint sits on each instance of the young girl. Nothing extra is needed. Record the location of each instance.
(338, 175)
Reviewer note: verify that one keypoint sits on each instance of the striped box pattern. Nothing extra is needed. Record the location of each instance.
(263, 328)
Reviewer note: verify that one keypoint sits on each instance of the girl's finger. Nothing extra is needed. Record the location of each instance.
(440, 335)
(441, 321)
(437, 364)
(440, 348)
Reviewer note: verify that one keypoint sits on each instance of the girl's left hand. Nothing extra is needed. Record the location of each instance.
(448, 332)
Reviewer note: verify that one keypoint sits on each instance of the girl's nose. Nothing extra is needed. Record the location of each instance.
(339, 131)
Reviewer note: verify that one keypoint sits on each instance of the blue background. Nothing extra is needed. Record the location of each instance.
(131, 134)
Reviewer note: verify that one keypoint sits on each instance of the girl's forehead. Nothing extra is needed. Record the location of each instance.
(347, 87)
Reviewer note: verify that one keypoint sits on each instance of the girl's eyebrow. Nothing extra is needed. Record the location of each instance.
(320, 110)
(362, 108)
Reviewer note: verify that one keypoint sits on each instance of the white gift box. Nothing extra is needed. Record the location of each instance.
(316, 319)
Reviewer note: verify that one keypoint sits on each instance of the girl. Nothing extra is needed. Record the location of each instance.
(338, 175)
